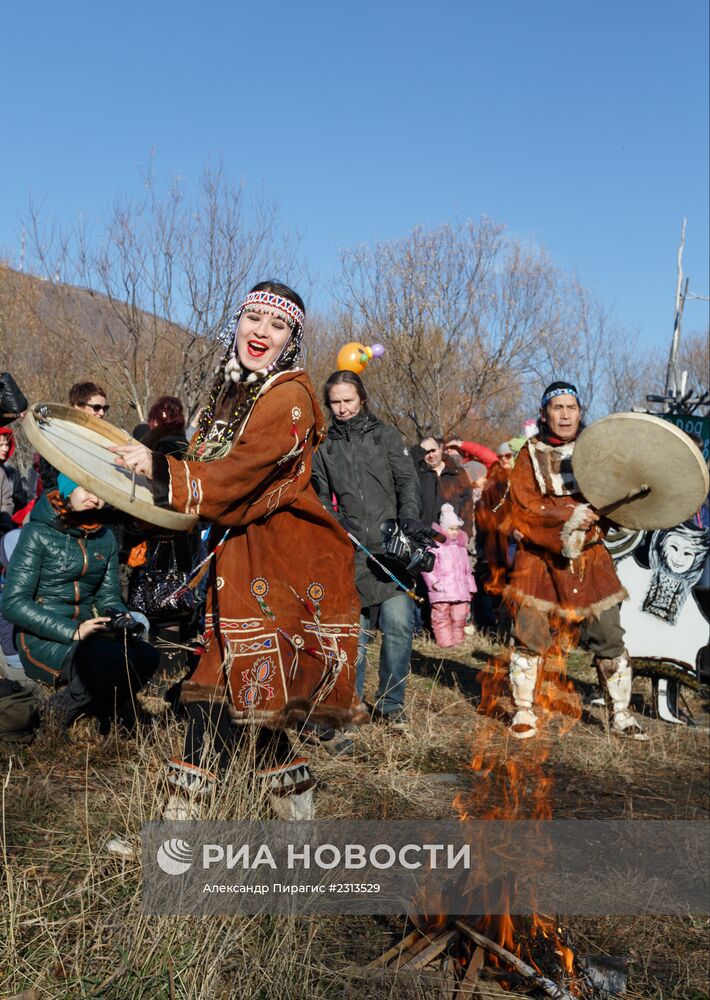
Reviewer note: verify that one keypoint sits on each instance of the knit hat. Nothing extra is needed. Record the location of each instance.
(504, 449)
(448, 518)
(65, 485)
(475, 470)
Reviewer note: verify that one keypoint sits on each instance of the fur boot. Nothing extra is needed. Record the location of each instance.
(616, 678)
(191, 785)
(290, 788)
(523, 675)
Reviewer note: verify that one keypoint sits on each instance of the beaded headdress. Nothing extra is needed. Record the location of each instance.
(211, 442)
(273, 303)
(565, 390)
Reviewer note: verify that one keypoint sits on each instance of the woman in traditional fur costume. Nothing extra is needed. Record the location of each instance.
(563, 571)
(282, 610)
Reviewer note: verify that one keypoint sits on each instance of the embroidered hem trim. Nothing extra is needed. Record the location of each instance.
(182, 765)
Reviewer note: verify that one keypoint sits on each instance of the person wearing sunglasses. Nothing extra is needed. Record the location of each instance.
(444, 481)
(89, 397)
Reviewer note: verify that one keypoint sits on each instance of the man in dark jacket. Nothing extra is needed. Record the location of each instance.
(444, 481)
(366, 467)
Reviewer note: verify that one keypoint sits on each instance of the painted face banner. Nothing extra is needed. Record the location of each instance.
(666, 574)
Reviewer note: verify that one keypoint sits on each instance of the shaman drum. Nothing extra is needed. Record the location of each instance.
(77, 444)
(640, 471)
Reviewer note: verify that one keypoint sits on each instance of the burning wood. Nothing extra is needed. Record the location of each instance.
(545, 984)
(452, 942)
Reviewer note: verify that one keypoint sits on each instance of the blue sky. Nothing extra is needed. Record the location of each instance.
(582, 126)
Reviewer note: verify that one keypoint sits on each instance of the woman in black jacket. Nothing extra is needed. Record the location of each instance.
(365, 466)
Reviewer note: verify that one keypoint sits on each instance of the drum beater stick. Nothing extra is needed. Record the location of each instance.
(637, 494)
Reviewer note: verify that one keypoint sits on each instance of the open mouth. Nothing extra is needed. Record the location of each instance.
(256, 348)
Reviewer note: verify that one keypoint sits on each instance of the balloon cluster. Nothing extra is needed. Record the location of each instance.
(354, 357)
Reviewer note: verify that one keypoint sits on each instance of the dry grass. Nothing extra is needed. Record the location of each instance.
(70, 914)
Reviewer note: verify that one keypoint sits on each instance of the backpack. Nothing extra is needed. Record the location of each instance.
(19, 711)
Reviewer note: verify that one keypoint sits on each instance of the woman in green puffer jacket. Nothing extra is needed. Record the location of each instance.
(62, 584)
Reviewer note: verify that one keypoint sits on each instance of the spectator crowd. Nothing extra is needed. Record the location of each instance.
(448, 494)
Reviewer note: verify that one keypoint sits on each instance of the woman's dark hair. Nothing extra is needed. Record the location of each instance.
(279, 288)
(344, 377)
(167, 410)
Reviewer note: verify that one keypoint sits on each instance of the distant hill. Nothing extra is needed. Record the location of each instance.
(53, 334)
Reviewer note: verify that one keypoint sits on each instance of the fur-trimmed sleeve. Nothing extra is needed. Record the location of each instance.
(260, 473)
(573, 535)
(550, 522)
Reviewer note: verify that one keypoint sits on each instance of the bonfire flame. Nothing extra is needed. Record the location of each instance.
(514, 785)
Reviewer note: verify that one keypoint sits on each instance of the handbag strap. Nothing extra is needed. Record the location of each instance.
(172, 565)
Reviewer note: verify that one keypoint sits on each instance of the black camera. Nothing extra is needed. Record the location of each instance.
(413, 551)
(123, 622)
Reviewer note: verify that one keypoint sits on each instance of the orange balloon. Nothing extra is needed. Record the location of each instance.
(353, 357)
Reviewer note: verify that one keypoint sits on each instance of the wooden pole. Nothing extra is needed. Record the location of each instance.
(672, 379)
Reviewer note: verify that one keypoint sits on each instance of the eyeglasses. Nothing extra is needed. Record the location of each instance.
(97, 407)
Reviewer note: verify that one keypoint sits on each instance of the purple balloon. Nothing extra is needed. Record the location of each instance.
(377, 350)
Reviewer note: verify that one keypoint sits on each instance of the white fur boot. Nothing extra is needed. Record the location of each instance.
(523, 675)
(294, 807)
(616, 678)
(191, 784)
(180, 808)
(290, 788)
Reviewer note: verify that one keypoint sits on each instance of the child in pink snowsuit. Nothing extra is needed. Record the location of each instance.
(450, 583)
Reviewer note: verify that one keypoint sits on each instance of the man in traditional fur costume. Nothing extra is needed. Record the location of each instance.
(563, 572)
(282, 618)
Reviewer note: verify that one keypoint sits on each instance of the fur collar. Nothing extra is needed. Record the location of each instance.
(553, 468)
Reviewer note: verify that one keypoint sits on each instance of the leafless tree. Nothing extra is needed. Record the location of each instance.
(470, 318)
(694, 357)
(164, 275)
(588, 349)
